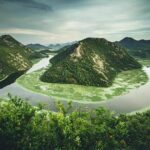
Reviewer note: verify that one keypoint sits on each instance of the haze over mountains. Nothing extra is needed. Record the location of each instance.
(137, 48)
(37, 46)
(52, 47)
(92, 61)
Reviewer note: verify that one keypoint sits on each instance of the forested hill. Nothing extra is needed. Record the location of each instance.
(14, 56)
(37, 47)
(138, 48)
(92, 61)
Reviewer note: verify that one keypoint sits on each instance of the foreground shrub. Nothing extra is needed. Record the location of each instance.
(23, 127)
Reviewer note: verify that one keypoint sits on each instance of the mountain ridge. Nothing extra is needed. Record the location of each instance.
(37, 46)
(137, 48)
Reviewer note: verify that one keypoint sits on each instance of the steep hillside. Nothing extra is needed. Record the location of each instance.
(14, 56)
(136, 48)
(92, 61)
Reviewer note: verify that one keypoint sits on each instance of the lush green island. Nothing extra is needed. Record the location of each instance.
(90, 62)
(123, 83)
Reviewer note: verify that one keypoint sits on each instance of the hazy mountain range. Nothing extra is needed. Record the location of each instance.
(137, 48)
(52, 47)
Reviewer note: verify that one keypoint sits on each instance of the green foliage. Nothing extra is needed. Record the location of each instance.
(14, 56)
(140, 49)
(23, 127)
(97, 64)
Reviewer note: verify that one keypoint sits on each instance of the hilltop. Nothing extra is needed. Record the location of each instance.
(92, 61)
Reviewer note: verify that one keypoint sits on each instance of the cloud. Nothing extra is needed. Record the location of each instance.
(24, 31)
(49, 21)
(29, 4)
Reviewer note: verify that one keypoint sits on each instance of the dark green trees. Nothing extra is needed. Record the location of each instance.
(23, 127)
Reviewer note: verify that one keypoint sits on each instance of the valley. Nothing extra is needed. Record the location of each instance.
(118, 97)
(130, 77)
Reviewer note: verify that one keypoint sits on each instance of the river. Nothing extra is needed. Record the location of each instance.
(41, 64)
(136, 99)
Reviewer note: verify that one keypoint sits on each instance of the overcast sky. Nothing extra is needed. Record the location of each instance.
(57, 21)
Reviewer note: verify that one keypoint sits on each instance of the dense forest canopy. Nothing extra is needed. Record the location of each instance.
(24, 127)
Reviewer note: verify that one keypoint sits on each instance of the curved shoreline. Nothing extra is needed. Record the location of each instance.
(129, 102)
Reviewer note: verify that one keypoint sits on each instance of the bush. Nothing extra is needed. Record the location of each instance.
(23, 127)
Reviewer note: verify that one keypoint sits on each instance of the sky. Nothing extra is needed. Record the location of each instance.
(60, 21)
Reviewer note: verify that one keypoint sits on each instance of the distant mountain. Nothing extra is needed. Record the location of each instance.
(138, 48)
(51, 47)
(37, 46)
(14, 56)
(92, 61)
(57, 47)
(39, 51)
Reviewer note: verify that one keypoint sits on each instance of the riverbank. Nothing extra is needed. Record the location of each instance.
(10, 79)
(136, 99)
(123, 83)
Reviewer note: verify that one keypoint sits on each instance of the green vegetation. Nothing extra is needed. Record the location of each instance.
(140, 49)
(123, 83)
(90, 62)
(144, 61)
(23, 127)
(14, 56)
(38, 55)
(34, 61)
